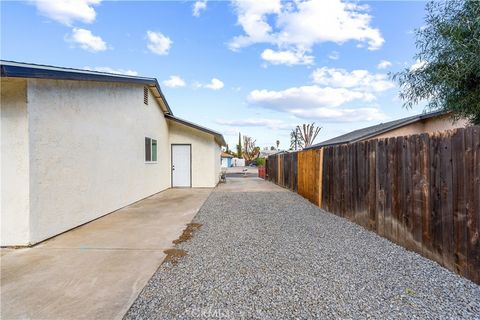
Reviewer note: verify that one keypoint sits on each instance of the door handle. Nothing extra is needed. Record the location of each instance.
(173, 167)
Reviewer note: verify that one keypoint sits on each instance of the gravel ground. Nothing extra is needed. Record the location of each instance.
(273, 255)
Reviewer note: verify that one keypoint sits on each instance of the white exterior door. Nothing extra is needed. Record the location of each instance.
(181, 165)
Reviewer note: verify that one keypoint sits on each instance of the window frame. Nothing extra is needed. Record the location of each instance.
(152, 149)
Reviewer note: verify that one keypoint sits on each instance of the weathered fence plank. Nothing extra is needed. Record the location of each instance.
(416, 194)
(380, 176)
(446, 201)
(435, 190)
(472, 141)
(459, 204)
(427, 246)
(409, 215)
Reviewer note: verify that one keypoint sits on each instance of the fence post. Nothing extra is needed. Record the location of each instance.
(320, 178)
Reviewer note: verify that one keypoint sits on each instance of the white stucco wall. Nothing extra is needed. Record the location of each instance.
(87, 151)
(205, 153)
(217, 158)
(14, 161)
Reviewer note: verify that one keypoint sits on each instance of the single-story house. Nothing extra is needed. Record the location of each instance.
(421, 123)
(226, 160)
(77, 144)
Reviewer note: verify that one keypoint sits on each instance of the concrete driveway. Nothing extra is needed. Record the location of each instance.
(248, 184)
(237, 181)
(96, 271)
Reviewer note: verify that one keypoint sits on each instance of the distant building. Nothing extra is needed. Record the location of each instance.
(238, 162)
(226, 160)
(422, 123)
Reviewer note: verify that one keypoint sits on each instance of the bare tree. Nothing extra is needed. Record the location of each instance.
(250, 151)
(295, 140)
(308, 133)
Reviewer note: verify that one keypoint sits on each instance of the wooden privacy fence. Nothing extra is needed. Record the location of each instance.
(282, 170)
(420, 191)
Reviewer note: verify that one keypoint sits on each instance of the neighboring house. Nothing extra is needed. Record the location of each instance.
(76, 145)
(422, 123)
(238, 162)
(226, 160)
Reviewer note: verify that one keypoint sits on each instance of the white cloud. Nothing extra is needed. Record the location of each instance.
(384, 64)
(342, 114)
(67, 11)
(334, 55)
(336, 95)
(198, 6)
(360, 80)
(314, 102)
(111, 70)
(419, 65)
(215, 84)
(86, 40)
(268, 123)
(252, 16)
(158, 43)
(174, 82)
(230, 132)
(328, 21)
(306, 97)
(299, 25)
(286, 57)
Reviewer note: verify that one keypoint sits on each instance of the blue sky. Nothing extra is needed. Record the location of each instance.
(255, 67)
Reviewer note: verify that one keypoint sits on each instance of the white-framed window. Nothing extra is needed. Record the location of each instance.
(150, 150)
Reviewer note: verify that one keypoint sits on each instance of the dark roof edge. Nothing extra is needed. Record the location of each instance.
(408, 120)
(401, 124)
(216, 134)
(25, 70)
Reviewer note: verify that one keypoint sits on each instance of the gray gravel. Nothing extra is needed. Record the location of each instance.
(273, 255)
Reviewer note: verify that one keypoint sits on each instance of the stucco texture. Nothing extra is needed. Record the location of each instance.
(14, 205)
(205, 153)
(87, 151)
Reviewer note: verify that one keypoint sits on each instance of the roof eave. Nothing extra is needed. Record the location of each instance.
(217, 136)
(12, 71)
(387, 129)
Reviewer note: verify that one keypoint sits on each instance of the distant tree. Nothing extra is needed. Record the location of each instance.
(447, 74)
(260, 162)
(272, 148)
(239, 146)
(277, 143)
(308, 133)
(228, 151)
(295, 140)
(250, 150)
